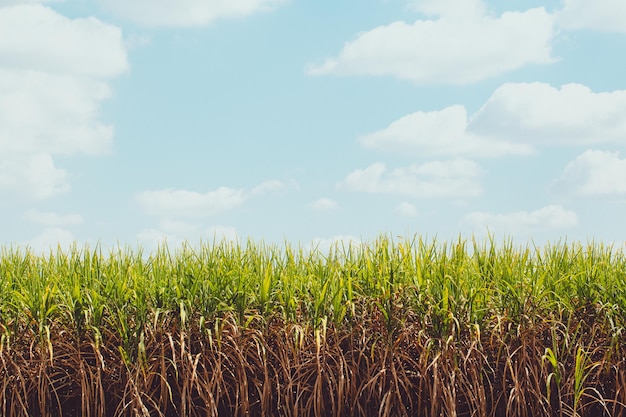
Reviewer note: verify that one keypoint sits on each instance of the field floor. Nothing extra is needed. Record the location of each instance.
(404, 328)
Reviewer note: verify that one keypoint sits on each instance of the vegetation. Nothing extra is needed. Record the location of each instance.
(393, 328)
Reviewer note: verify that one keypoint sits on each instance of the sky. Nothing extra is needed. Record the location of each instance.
(133, 122)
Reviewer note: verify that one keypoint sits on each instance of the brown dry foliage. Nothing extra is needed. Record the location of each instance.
(273, 368)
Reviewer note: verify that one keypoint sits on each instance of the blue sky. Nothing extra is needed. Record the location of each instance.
(134, 121)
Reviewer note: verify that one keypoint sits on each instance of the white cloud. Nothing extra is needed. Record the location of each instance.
(51, 239)
(542, 114)
(602, 15)
(405, 209)
(50, 219)
(184, 203)
(339, 242)
(178, 227)
(152, 239)
(437, 133)
(592, 174)
(53, 79)
(136, 41)
(549, 217)
(221, 233)
(460, 8)
(514, 120)
(175, 234)
(465, 45)
(185, 12)
(52, 114)
(175, 204)
(324, 204)
(181, 213)
(4, 3)
(31, 175)
(267, 187)
(437, 179)
(35, 37)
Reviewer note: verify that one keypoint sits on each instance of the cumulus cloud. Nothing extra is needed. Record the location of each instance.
(36, 37)
(182, 214)
(31, 175)
(174, 204)
(184, 203)
(53, 79)
(51, 219)
(517, 118)
(50, 239)
(52, 114)
(340, 242)
(547, 218)
(437, 133)
(176, 233)
(179, 13)
(405, 209)
(268, 187)
(602, 15)
(436, 179)
(458, 8)
(324, 204)
(4, 3)
(542, 114)
(592, 174)
(464, 44)
(152, 239)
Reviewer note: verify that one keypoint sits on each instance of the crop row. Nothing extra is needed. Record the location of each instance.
(394, 326)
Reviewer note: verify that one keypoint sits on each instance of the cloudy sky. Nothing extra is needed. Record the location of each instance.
(134, 121)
